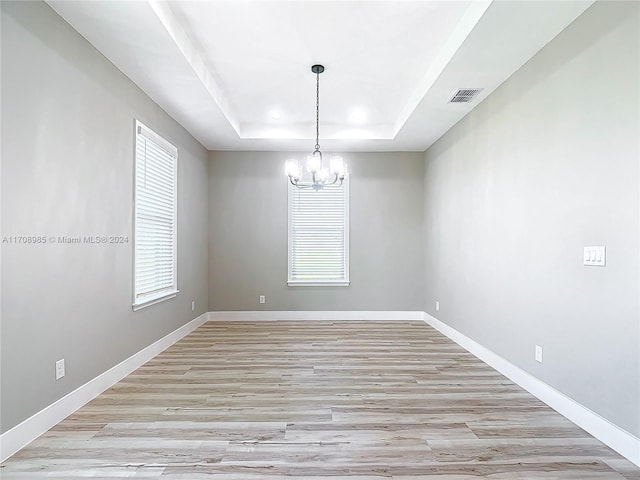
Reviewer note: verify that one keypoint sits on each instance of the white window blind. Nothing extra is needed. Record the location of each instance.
(155, 272)
(319, 236)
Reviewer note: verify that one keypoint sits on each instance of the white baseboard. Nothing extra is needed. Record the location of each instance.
(611, 435)
(24, 433)
(317, 315)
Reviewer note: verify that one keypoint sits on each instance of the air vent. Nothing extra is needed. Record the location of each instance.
(465, 95)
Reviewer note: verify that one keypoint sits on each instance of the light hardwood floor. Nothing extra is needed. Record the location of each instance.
(316, 400)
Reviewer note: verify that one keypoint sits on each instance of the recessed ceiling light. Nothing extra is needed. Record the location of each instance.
(275, 115)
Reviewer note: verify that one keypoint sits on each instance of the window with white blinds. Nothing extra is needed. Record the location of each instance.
(319, 236)
(155, 272)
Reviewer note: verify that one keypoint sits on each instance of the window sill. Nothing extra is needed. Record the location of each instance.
(152, 300)
(316, 283)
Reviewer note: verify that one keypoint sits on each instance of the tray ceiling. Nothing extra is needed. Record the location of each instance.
(236, 74)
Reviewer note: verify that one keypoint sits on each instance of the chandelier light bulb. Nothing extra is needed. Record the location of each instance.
(314, 163)
(293, 169)
(337, 165)
(324, 174)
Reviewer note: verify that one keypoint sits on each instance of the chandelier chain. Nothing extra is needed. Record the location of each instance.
(317, 111)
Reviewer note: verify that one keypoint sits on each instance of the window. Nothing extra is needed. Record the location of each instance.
(155, 217)
(319, 236)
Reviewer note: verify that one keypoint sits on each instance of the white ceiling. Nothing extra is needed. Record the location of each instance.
(236, 73)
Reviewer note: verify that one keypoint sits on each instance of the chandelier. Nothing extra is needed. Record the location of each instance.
(316, 175)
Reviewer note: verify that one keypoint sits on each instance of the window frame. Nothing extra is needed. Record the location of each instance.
(344, 282)
(151, 299)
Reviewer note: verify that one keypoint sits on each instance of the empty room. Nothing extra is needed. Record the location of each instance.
(359, 240)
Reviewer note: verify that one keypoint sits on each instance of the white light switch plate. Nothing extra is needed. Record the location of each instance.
(595, 256)
(60, 369)
(538, 353)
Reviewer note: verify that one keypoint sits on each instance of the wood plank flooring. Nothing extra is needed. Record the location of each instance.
(316, 400)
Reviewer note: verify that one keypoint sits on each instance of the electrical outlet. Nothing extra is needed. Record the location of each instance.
(193, 305)
(437, 306)
(60, 369)
(262, 299)
(538, 353)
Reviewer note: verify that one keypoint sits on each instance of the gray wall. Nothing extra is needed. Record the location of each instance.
(248, 234)
(546, 165)
(67, 169)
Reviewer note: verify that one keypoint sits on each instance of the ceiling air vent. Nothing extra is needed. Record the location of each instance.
(465, 95)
